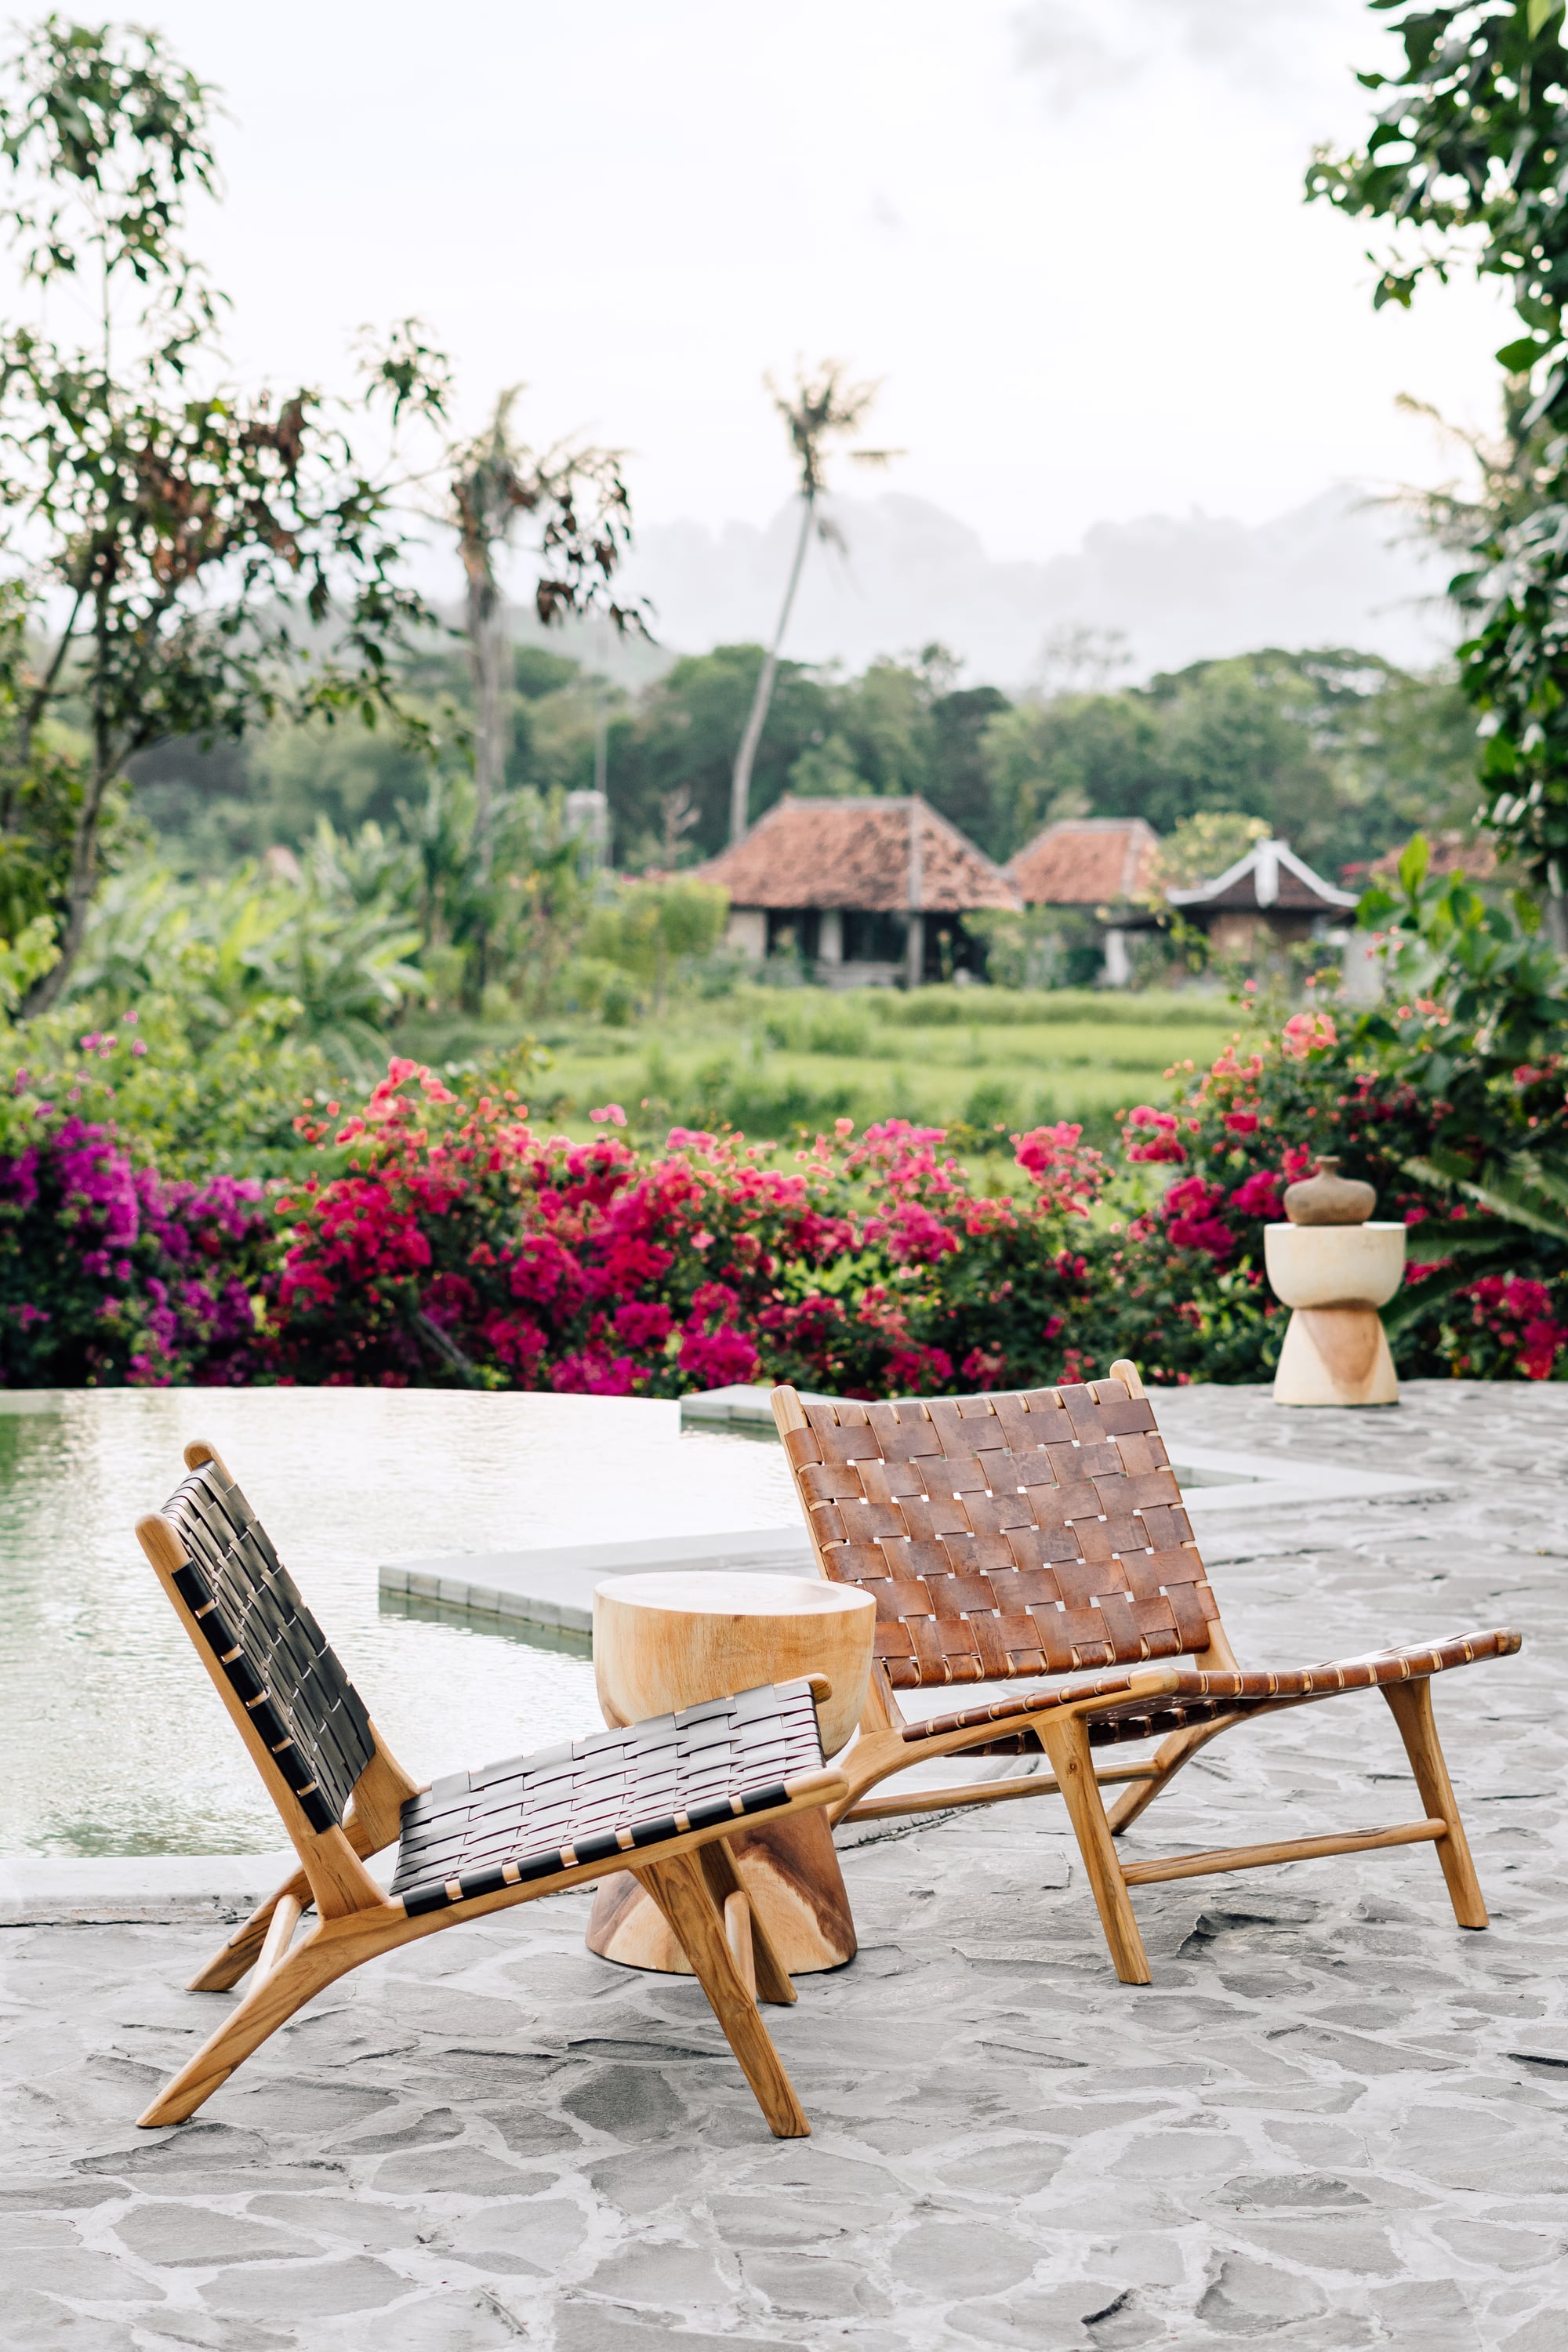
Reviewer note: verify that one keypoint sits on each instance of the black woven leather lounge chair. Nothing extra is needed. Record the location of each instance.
(476, 1842)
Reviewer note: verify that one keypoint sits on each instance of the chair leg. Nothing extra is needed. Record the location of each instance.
(1411, 1706)
(1169, 1758)
(1065, 1741)
(270, 2002)
(769, 1980)
(680, 1890)
(242, 1949)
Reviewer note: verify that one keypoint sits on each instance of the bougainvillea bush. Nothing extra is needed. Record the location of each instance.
(458, 1243)
(126, 1255)
(434, 1236)
(112, 1273)
(1448, 1096)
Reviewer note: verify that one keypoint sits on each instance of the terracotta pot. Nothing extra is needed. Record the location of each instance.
(1327, 1198)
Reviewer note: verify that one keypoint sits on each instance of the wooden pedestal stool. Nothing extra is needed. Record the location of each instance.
(664, 1642)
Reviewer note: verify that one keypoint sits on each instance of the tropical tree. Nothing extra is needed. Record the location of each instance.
(577, 498)
(822, 409)
(681, 737)
(190, 557)
(1334, 750)
(1464, 165)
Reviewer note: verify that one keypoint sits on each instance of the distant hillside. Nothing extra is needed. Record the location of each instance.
(1336, 571)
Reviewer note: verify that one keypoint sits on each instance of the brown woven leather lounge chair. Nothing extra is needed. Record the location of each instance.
(473, 1842)
(1040, 1535)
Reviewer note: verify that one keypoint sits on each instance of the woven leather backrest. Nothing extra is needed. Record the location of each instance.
(1005, 1535)
(269, 1646)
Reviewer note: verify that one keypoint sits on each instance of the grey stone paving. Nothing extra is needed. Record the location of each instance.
(1334, 2120)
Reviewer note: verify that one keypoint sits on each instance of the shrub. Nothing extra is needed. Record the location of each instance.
(1449, 1098)
(436, 1236)
(458, 1245)
(112, 1274)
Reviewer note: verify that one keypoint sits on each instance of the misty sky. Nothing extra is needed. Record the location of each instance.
(1068, 234)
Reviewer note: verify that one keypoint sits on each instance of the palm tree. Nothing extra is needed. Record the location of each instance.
(823, 408)
(584, 520)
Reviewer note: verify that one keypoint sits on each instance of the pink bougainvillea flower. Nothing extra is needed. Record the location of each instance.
(1258, 1195)
(1156, 1134)
(1308, 1033)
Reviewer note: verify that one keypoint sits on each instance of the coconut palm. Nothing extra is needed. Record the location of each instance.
(582, 512)
(822, 409)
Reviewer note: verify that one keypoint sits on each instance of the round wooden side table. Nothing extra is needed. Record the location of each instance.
(662, 1643)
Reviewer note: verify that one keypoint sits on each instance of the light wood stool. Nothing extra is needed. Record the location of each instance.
(662, 1643)
(1334, 1278)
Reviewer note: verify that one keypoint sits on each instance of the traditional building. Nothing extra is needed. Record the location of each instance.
(868, 890)
(1098, 864)
(1268, 895)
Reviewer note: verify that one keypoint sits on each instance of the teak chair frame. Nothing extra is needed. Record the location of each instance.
(690, 1875)
(1063, 1718)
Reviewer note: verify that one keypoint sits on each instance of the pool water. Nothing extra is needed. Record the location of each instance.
(112, 1740)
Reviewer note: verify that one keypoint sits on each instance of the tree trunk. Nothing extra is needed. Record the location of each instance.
(1556, 911)
(490, 647)
(106, 761)
(741, 784)
(79, 905)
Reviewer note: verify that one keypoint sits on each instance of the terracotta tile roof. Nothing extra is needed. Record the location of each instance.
(856, 853)
(1086, 861)
(1271, 874)
(1451, 854)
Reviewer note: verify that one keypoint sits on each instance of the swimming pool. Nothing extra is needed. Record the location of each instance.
(111, 1738)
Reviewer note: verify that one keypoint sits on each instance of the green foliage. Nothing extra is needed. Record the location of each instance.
(1396, 751)
(196, 542)
(1203, 845)
(1463, 165)
(210, 807)
(1040, 947)
(902, 727)
(1479, 1034)
(348, 775)
(769, 1060)
(1075, 755)
(1448, 1098)
(308, 955)
(106, 141)
(899, 728)
(650, 928)
(25, 959)
(1335, 751)
(191, 1087)
(683, 740)
(41, 780)
(434, 1237)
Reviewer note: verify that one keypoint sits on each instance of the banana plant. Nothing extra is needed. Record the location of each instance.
(346, 966)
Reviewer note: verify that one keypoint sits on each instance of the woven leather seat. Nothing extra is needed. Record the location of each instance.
(654, 1797)
(1208, 1697)
(1042, 1535)
(593, 1799)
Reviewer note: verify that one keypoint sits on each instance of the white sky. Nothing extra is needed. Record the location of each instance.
(1068, 236)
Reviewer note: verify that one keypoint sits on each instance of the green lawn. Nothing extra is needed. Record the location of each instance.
(768, 1060)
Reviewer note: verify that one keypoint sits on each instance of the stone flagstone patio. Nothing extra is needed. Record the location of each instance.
(1334, 2120)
